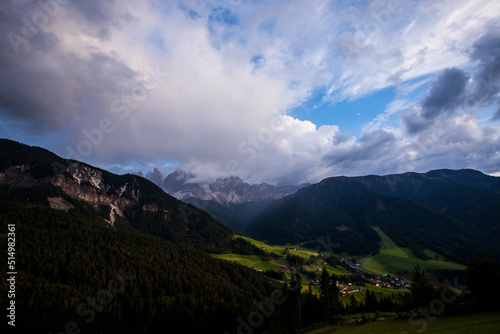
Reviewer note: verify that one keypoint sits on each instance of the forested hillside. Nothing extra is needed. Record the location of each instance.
(127, 202)
(66, 261)
(439, 211)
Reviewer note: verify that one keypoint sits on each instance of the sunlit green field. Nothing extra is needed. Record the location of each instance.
(252, 261)
(391, 260)
(293, 249)
(258, 262)
(483, 323)
(262, 263)
(394, 259)
(386, 241)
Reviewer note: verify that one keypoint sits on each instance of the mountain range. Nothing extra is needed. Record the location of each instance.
(227, 190)
(229, 200)
(453, 212)
(456, 213)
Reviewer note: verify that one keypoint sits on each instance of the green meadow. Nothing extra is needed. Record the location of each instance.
(252, 261)
(392, 259)
(266, 263)
(481, 323)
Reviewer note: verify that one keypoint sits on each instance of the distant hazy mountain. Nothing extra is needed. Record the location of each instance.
(229, 200)
(456, 213)
(223, 190)
(233, 215)
(156, 177)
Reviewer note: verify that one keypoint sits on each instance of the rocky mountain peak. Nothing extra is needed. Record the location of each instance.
(156, 177)
(223, 190)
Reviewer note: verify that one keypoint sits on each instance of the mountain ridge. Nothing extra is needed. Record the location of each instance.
(451, 212)
(124, 201)
(223, 190)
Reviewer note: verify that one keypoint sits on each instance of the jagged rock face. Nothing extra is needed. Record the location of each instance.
(87, 184)
(82, 173)
(81, 182)
(224, 190)
(156, 177)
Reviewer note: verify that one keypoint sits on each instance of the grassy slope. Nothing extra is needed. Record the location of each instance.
(393, 259)
(482, 323)
(299, 250)
(390, 260)
(386, 241)
(257, 262)
(252, 261)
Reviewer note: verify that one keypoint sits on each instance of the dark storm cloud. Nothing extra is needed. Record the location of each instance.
(486, 78)
(94, 11)
(451, 90)
(487, 51)
(29, 88)
(341, 138)
(99, 13)
(370, 145)
(414, 122)
(44, 86)
(447, 92)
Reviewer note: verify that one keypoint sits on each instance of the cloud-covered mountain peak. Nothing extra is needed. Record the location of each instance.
(223, 190)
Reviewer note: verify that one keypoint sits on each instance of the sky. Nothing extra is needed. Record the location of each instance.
(283, 92)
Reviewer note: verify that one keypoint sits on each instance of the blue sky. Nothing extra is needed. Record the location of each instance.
(350, 115)
(281, 92)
